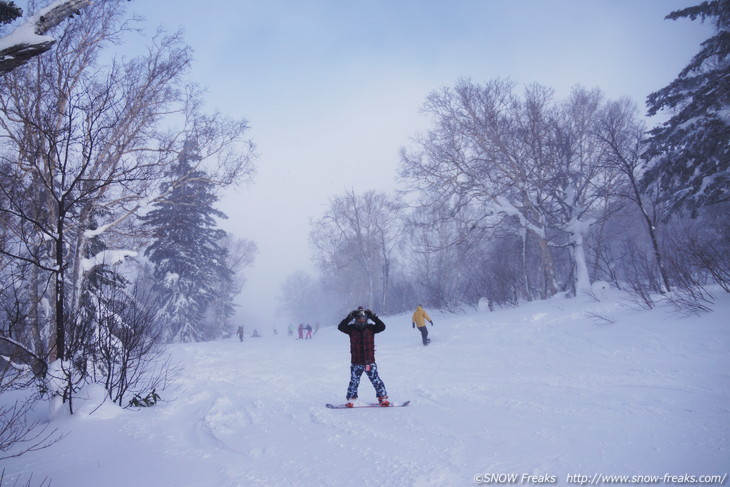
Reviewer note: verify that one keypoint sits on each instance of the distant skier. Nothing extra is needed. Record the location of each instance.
(240, 333)
(362, 352)
(419, 319)
(309, 331)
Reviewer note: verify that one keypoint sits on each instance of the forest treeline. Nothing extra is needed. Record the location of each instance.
(514, 194)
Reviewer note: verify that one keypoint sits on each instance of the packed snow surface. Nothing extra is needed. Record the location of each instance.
(548, 392)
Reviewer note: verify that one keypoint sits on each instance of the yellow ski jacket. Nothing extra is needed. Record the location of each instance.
(420, 317)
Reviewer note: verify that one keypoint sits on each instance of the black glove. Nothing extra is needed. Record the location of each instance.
(414, 325)
(369, 313)
(350, 316)
(431, 323)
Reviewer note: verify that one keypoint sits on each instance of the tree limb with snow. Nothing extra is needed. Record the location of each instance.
(30, 40)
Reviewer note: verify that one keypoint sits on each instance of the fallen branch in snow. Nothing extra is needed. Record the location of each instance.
(601, 319)
(29, 40)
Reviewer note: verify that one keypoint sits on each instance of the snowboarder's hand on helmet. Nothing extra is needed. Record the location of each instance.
(359, 313)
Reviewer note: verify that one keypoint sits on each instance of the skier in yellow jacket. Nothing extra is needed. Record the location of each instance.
(420, 317)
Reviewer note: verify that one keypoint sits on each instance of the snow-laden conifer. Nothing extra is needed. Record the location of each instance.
(187, 253)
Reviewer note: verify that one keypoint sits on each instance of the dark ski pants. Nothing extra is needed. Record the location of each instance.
(424, 333)
(371, 370)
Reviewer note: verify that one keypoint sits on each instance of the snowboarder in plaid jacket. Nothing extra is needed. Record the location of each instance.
(362, 352)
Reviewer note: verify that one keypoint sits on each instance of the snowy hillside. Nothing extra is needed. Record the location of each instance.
(554, 388)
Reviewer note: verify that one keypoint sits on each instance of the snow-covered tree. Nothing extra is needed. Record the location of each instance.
(582, 182)
(486, 155)
(439, 253)
(624, 137)
(79, 139)
(689, 154)
(190, 262)
(531, 158)
(354, 243)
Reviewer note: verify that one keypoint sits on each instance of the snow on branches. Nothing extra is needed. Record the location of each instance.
(29, 40)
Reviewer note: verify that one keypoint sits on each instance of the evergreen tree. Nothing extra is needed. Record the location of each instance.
(190, 263)
(9, 12)
(689, 155)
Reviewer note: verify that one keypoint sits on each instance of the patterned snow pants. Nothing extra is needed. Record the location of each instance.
(371, 370)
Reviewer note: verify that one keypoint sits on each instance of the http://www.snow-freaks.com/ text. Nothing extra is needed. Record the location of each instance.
(599, 479)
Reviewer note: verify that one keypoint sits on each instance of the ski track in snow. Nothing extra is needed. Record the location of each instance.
(543, 389)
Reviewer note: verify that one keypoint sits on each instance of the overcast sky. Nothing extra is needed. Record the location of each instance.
(332, 89)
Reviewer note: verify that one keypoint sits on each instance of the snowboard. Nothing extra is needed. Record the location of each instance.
(369, 405)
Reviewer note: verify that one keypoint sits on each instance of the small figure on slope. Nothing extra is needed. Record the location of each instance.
(362, 352)
(419, 319)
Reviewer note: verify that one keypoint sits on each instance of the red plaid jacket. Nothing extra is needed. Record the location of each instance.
(362, 340)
